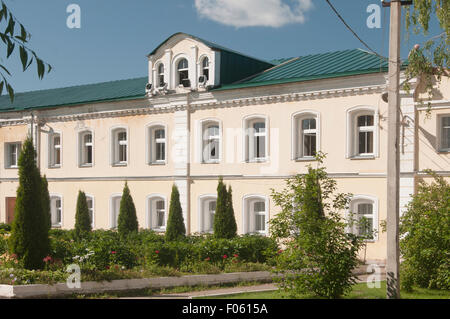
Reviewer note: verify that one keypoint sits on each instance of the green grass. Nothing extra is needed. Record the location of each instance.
(360, 291)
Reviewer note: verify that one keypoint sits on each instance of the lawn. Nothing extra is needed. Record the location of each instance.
(360, 291)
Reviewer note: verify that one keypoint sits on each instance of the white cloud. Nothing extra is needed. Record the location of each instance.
(252, 13)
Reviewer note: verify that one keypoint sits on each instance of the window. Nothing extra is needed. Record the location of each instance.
(363, 217)
(207, 212)
(90, 205)
(211, 142)
(255, 215)
(205, 68)
(256, 140)
(157, 213)
(55, 150)
(115, 208)
(362, 132)
(161, 75)
(305, 135)
(120, 147)
(157, 147)
(12, 152)
(56, 210)
(365, 130)
(445, 133)
(86, 151)
(183, 72)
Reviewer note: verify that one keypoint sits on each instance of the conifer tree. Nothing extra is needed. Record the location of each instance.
(127, 221)
(176, 229)
(83, 223)
(46, 202)
(230, 226)
(220, 217)
(29, 235)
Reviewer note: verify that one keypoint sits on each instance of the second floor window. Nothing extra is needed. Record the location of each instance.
(256, 139)
(445, 134)
(12, 152)
(157, 145)
(87, 149)
(119, 147)
(365, 131)
(55, 150)
(211, 142)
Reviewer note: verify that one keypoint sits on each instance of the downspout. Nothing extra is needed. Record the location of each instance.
(188, 164)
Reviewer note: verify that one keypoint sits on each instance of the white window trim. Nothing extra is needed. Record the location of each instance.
(245, 201)
(200, 212)
(210, 69)
(60, 197)
(245, 142)
(295, 121)
(351, 131)
(93, 209)
(111, 209)
(201, 125)
(80, 148)
(51, 149)
(439, 148)
(113, 147)
(8, 155)
(148, 217)
(149, 129)
(174, 76)
(365, 199)
(157, 82)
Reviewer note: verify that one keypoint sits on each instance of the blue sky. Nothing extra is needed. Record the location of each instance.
(116, 35)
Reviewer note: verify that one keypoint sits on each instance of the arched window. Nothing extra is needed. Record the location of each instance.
(119, 147)
(55, 150)
(157, 144)
(363, 216)
(183, 72)
(205, 67)
(56, 210)
(255, 214)
(211, 141)
(86, 151)
(115, 208)
(256, 139)
(161, 75)
(362, 132)
(157, 215)
(365, 131)
(207, 210)
(305, 135)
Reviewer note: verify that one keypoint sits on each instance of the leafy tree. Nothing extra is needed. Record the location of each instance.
(83, 223)
(425, 236)
(14, 35)
(433, 58)
(127, 221)
(29, 235)
(319, 255)
(46, 202)
(176, 229)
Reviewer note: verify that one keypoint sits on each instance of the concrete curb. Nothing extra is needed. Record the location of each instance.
(60, 289)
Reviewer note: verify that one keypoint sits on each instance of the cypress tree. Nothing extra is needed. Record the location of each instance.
(29, 235)
(220, 217)
(83, 223)
(46, 202)
(127, 221)
(231, 226)
(175, 223)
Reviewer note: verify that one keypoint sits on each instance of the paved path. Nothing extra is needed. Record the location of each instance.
(228, 291)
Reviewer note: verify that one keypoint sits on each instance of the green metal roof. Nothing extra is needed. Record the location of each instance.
(315, 66)
(106, 91)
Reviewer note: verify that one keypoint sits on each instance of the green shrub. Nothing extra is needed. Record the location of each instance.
(4, 228)
(29, 234)
(127, 221)
(176, 230)
(83, 223)
(46, 202)
(3, 244)
(425, 236)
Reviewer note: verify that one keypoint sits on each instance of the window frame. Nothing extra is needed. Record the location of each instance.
(150, 201)
(248, 124)
(297, 152)
(8, 154)
(151, 142)
(54, 197)
(439, 131)
(352, 132)
(115, 146)
(202, 67)
(178, 80)
(52, 149)
(160, 74)
(92, 210)
(248, 214)
(203, 200)
(82, 148)
(364, 199)
(204, 124)
(114, 205)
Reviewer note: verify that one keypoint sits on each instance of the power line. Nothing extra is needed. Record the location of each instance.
(354, 33)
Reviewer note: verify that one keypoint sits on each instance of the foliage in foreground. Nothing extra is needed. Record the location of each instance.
(176, 230)
(425, 237)
(127, 220)
(224, 220)
(319, 255)
(83, 222)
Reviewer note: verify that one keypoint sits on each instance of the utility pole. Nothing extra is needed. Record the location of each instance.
(393, 161)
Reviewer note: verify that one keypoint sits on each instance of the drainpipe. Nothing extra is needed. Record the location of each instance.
(188, 164)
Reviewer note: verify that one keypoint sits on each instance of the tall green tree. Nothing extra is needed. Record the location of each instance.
(83, 223)
(231, 226)
(15, 38)
(219, 226)
(127, 221)
(46, 202)
(176, 229)
(29, 235)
